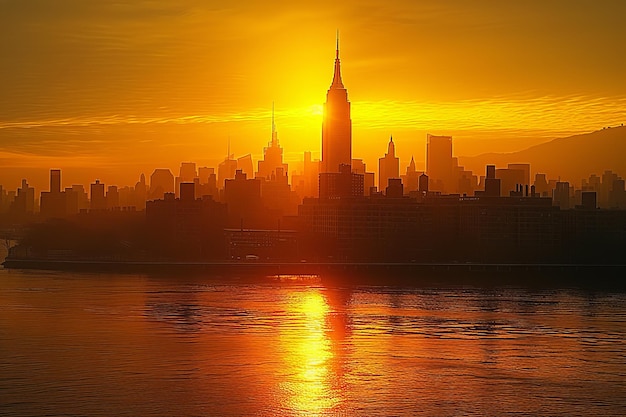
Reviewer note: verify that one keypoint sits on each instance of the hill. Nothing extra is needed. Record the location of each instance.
(571, 158)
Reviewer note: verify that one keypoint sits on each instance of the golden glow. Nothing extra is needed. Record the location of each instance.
(317, 110)
(152, 84)
(308, 353)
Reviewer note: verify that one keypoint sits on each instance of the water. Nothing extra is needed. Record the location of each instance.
(103, 345)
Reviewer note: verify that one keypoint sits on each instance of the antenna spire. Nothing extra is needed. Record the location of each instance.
(274, 133)
(337, 83)
(273, 124)
(391, 149)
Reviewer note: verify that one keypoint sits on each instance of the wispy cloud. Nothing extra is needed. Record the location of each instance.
(546, 113)
(539, 114)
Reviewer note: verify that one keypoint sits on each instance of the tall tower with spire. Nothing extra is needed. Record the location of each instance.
(272, 163)
(388, 166)
(410, 180)
(337, 125)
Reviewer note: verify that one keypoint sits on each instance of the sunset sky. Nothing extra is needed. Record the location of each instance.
(111, 89)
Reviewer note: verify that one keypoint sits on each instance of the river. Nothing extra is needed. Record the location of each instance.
(155, 345)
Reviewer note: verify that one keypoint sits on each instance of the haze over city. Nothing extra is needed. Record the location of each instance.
(287, 208)
(114, 90)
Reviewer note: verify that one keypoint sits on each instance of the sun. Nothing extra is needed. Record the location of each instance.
(316, 109)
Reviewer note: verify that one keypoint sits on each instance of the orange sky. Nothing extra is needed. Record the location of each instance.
(112, 89)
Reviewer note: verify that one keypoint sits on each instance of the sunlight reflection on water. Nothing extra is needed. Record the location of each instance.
(308, 353)
(94, 344)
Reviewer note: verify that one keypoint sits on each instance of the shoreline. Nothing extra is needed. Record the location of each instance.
(587, 275)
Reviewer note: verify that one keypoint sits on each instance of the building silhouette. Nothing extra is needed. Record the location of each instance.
(226, 170)
(112, 198)
(491, 183)
(141, 193)
(277, 195)
(186, 227)
(59, 204)
(440, 164)
(207, 182)
(204, 174)
(423, 184)
(97, 198)
(272, 157)
(4, 200)
(245, 164)
(261, 244)
(161, 182)
(359, 167)
(542, 187)
(394, 189)
(336, 125)
(342, 184)
(617, 195)
(388, 166)
(78, 199)
(410, 179)
(53, 203)
(332, 210)
(306, 183)
(436, 228)
(242, 196)
(311, 175)
(187, 191)
(55, 181)
(525, 168)
(561, 195)
(589, 200)
(510, 179)
(24, 201)
(186, 173)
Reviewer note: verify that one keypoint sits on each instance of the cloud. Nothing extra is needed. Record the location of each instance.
(81, 77)
(74, 10)
(488, 118)
(538, 114)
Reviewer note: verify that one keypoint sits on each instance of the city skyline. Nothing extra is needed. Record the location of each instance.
(407, 79)
(442, 172)
(288, 208)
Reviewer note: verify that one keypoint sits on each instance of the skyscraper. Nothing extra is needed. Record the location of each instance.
(272, 157)
(55, 181)
(187, 171)
(411, 179)
(24, 200)
(388, 166)
(161, 182)
(245, 164)
(439, 163)
(53, 203)
(98, 200)
(336, 126)
(226, 170)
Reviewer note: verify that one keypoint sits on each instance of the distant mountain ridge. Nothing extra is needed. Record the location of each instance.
(570, 159)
